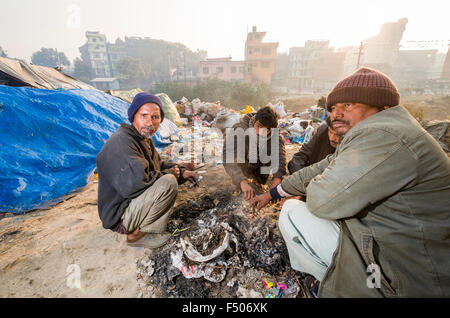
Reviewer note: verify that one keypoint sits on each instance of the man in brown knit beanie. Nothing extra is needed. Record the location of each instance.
(376, 221)
(359, 96)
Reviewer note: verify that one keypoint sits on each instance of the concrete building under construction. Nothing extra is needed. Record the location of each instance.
(260, 58)
(381, 51)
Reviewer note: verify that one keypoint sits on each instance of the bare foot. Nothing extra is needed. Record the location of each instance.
(135, 236)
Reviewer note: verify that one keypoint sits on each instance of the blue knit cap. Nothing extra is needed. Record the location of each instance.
(141, 99)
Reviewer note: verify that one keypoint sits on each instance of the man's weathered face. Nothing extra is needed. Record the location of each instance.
(333, 137)
(346, 115)
(147, 120)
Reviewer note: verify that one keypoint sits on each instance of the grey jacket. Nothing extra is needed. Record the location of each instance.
(388, 183)
(242, 171)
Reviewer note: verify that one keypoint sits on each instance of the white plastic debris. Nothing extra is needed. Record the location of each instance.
(209, 271)
(194, 255)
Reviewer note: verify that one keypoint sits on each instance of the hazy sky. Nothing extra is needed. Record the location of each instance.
(219, 27)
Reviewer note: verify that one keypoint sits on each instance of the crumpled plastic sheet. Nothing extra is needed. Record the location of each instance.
(203, 265)
(209, 271)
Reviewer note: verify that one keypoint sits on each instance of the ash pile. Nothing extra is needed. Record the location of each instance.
(219, 249)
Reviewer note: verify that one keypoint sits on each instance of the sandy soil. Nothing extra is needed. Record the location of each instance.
(36, 250)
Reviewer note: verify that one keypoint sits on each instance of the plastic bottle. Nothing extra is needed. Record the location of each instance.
(309, 131)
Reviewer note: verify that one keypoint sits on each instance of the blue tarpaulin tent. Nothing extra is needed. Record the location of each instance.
(49, 140)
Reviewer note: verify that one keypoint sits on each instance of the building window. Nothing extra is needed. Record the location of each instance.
(266, 51)
(256, 49)
(233, 69)
(96, 55)
(265, 64)
(219, 69)
(206, 70)
(241, 69)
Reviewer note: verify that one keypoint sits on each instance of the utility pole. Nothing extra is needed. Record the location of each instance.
(168, 64)
(177, 63)
(361, 46)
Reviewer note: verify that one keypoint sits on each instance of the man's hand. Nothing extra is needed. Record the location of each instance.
(175, 170)
(191, 176)
(275, 182)
(260, 201)
(247, 190)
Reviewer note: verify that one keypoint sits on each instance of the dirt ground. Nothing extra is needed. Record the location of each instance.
(37, 249)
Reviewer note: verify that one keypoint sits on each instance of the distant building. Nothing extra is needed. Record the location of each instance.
(103, 56)
(106, 83)
(381, 51)
(437, 67)
(260, 58)
(446, 67)
(280, 77)
(95, 50)
(413, 67)
(351, 59)
(301, 60)
(222, 68)
(116, 52)
(315, 66)
(327, 70)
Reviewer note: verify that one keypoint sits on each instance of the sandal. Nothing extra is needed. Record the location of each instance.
(311, 286)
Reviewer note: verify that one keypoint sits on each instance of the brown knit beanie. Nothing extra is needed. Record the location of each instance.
(365, 86)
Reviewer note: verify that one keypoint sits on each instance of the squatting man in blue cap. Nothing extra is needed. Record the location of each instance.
(136, 189)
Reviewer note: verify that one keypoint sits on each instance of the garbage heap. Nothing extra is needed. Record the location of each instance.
(219, 249)
(296, 127)
(299, 127)
(202, 123)
(207, 114)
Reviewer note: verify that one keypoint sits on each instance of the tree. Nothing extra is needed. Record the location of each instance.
(235, 95)
(49, 57)
(161, 55)
(82, 70)
(133, 72)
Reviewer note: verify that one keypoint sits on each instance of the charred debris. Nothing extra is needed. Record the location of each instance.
(219, 248)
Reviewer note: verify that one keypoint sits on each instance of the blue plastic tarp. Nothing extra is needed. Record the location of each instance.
(49, 140)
